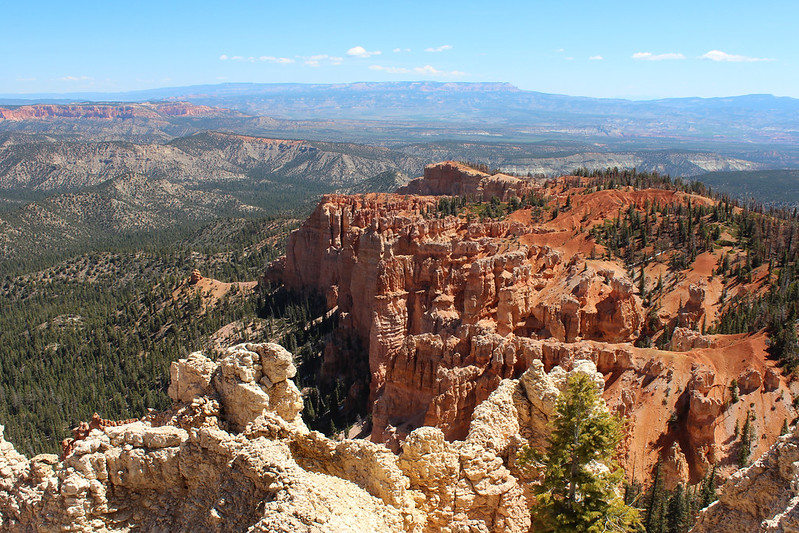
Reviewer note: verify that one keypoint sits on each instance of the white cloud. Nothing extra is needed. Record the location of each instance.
(272, 59)
(314, 61)
(397, 50)
(360, 51)
(427, 69)
(75, 78)
(596, 58)
(649, 56)
(569, 58)
(253, 59)
(441, 48)
(317, 60)
(718, 55)
(560, 50)
(390, 70)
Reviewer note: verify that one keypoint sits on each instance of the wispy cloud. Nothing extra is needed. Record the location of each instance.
(398, 50)
(256, 59)
(442, 48)
(272, 59)
(596, 58)
(391, 70)
(718, 55)
(317, 60)
(649, 56)
(360, 51)
(75, 78)
(560, 50)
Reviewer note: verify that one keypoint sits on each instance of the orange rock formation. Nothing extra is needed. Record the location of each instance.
(448, 307)
(106, 111)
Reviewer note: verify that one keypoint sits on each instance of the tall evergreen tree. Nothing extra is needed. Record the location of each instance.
(745, 449)
(707, 492)
(677, 513)
(579, 492)
(653, 521)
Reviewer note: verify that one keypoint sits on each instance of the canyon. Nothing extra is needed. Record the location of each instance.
(446, 307)
(462, 303)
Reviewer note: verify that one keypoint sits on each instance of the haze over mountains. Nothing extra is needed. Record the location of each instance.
(231, 149)
(749, 118)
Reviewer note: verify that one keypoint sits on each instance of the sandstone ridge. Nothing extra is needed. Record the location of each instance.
(457, 179)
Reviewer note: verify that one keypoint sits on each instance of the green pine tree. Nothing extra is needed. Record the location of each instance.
(677, 513)
(653, 519)
(707, 491)
(579, 490)
(745, 449)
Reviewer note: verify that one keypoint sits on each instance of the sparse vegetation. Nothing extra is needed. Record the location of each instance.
(98, 331)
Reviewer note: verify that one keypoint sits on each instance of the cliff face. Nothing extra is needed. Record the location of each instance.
(449, 307)
(762, 497)
(110, 112)
(232, 454)
(419, 291)
(456, 179)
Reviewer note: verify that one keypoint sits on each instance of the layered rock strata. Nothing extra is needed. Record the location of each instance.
(418, 291)
(446, 307)
(456, 179)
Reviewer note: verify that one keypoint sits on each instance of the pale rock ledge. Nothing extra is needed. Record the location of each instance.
(233, 454)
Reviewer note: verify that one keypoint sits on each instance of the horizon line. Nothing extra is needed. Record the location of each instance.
(92, 95)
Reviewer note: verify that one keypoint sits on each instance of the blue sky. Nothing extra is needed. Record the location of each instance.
(600, 48)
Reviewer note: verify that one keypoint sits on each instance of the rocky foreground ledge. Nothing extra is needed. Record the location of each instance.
(763, 497)
(233, 454)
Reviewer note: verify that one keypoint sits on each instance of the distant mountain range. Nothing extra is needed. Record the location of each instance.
(83, 170)
(70, 195)
(33, 163)
(500, 107)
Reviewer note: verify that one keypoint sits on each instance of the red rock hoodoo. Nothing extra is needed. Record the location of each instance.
(450, 306)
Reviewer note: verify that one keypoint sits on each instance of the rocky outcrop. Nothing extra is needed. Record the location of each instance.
(684, 339)
(447, 307)
(762, 497)
(456, 179)
(432, 299)
(195, 277)
(209, 463)
(190, 468)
